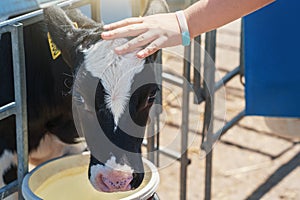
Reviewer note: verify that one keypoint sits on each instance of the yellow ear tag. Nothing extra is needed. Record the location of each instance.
(75, 24)
(55, 52)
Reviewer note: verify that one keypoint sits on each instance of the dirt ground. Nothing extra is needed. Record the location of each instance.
(258, 158)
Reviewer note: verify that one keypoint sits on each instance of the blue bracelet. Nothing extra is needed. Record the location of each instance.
(185, 34)
(186, 39)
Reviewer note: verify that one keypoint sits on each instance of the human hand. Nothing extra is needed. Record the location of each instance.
(150, 33)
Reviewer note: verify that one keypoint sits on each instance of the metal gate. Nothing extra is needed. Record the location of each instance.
(18, 107)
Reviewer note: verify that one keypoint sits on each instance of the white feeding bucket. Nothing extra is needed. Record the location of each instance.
(66, 178)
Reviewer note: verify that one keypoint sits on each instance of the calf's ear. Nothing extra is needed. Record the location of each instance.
(83, 21)
(71, 40)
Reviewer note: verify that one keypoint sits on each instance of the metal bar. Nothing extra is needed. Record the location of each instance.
(143, 6)
(154, 113)
(168, 152)
(158, 109)
(208, 175)
(4, 30)
(159, 77)
(7, 110)
(198, 99)
(242, 56)
(172, 79)
(136, 8)
(227, 78)
(74, 3)
(95, 9)
(198, 90)
(173, 154)
(8, 189)
(31, 19)
(35, 16)
(205, 146)
(175, 80)
(209, 76)
(185, 122)
(155, 197)
(150, 139)
(197, 68)
(228, 125)
(157, 140)
(20, 99)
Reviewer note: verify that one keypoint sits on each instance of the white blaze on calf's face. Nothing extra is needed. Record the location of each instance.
(116, 73)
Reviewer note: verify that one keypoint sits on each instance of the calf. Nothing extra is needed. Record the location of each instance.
(117, 91)
(120, 102)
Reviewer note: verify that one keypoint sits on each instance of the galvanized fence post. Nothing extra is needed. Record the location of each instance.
(184, 161)
(21, 103)
(209, 85)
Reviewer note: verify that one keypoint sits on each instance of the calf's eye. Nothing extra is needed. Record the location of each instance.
(151, 97)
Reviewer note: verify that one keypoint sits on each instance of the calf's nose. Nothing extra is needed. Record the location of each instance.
(116, 181)
(111, 177)
(113, 181)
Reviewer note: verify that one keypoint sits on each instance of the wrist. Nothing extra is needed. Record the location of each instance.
(184, 29)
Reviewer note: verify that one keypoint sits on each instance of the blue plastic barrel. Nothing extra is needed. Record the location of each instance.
(272, 60)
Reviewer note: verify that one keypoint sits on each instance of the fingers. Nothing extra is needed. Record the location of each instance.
(146, 31)
(153, 47)
(122, 23)
(136, 42)
(127, 31)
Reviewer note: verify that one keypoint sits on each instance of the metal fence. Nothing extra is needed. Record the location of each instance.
(204, 88)
(19, 107)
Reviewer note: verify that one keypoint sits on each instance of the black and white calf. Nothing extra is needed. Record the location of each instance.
(121, 102)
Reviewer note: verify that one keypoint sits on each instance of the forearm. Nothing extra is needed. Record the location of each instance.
(206, 15)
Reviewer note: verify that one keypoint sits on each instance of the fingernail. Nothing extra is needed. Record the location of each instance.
(105, 34)
(106, 27)
(141, 54)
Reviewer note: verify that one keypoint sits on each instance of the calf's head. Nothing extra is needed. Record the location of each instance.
(112, 97)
